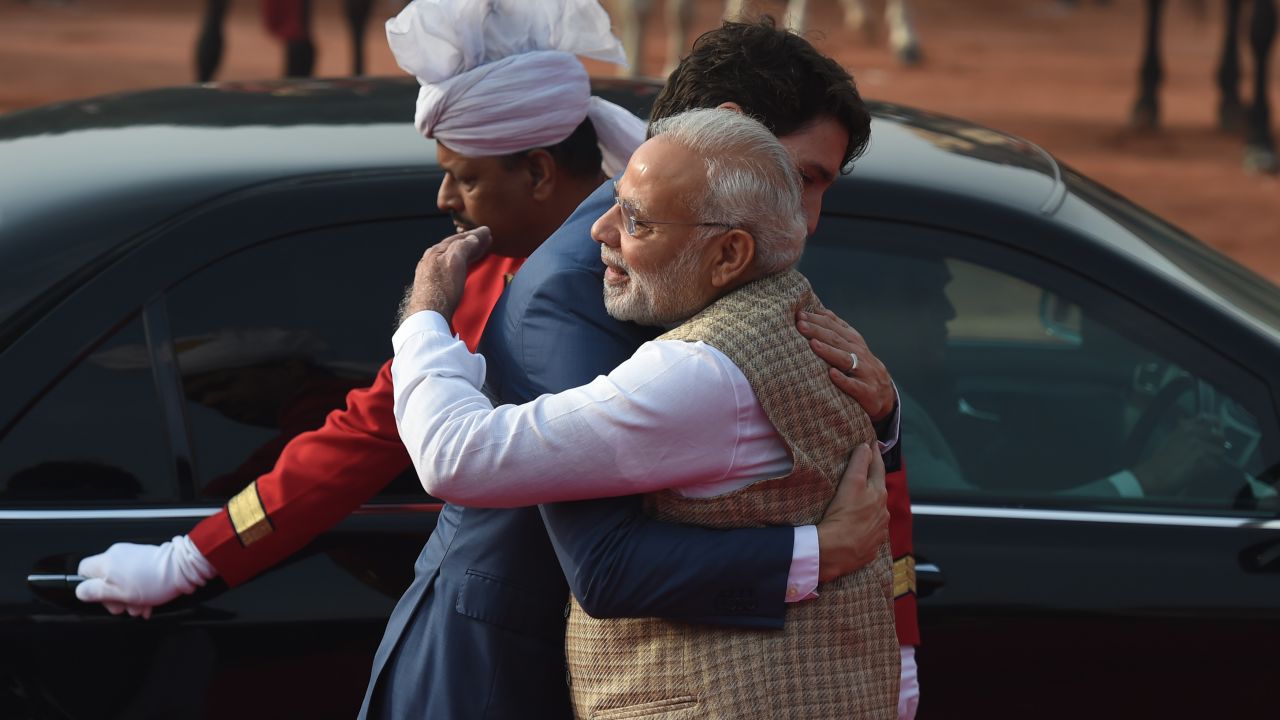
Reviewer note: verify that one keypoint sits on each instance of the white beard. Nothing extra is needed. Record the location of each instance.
(661, 299)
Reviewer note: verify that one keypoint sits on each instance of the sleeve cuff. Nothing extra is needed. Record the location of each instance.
(802, 581)
(890, 440)
(1126, 484)
(420, 322)
(191, 563)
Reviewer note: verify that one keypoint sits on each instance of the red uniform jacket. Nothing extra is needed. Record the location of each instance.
(904, 562)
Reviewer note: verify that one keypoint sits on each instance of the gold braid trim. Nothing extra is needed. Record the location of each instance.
(904, 576)
(248, 516)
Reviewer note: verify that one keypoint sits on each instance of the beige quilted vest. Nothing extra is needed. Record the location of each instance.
(837, 656)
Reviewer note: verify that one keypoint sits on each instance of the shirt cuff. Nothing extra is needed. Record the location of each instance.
(1126, 484)
(191, 563)
(895, 424)
(417, 323)
(802, 581)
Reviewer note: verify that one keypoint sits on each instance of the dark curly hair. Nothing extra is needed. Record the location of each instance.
(774, 75)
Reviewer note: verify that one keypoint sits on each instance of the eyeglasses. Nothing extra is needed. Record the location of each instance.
(630, 222)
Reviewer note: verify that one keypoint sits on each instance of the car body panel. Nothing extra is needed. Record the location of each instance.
(1032, 603)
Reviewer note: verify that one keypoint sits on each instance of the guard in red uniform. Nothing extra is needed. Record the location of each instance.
(521, 180)
(904, 588)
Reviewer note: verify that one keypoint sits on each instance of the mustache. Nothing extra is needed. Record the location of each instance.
(609, 256)
(462, 221)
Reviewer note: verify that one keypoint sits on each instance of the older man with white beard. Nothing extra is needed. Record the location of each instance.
(728, 420)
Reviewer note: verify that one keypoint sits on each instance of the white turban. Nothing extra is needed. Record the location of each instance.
(501, 76)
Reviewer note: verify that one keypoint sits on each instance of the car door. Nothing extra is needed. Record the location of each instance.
(1093, 485)
(121, 435)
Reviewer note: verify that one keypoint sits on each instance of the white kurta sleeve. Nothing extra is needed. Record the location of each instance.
(669, 417)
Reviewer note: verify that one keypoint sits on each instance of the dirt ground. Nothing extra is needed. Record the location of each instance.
(1063, 77)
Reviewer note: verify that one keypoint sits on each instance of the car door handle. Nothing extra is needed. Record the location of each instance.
(54, 581)
(928, 579)
(1262, 557)
(60, 589)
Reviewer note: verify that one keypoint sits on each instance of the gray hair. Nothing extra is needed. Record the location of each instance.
(752, 181)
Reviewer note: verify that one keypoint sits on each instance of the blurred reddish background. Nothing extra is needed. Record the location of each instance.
(1062, 75)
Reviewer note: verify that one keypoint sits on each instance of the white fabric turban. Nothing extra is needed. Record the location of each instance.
(501, 76)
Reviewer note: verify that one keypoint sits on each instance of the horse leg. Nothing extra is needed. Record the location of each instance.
(796, 14)
(357, 12)
(855, 15)
(1146, 111)
(679, 15)
(626, 16)
(902, 35)
(300, 55)
(1230, 109)
(1260, 148)
(209, 43)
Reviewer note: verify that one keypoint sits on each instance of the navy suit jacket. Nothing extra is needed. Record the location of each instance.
(480, 632)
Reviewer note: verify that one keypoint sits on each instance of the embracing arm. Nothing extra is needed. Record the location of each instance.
(676, 415)
(620, 563)
(554, 334)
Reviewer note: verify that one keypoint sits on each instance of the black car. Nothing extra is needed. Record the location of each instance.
(1089, 396)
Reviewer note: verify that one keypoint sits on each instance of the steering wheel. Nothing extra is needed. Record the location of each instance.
(1156, 412)
(1204, 401)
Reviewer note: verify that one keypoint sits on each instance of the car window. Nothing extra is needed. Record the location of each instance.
(97, 435)
(271, 339)
(1019, 386)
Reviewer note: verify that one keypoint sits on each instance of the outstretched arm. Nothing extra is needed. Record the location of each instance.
(320, 478)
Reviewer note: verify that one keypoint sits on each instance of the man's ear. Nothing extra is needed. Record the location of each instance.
(733, 254)
(730, 105)
(542, 173)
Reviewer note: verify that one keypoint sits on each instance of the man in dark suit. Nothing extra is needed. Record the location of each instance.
(480, 631)
(550, 330)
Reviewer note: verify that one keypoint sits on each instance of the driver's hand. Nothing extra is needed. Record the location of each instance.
(136, 578)
(1193, 447)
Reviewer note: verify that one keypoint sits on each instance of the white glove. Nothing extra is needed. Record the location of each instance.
(136, 578)
(908, 685)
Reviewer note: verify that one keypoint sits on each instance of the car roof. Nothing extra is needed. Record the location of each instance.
(80, 179)
(200, 140)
